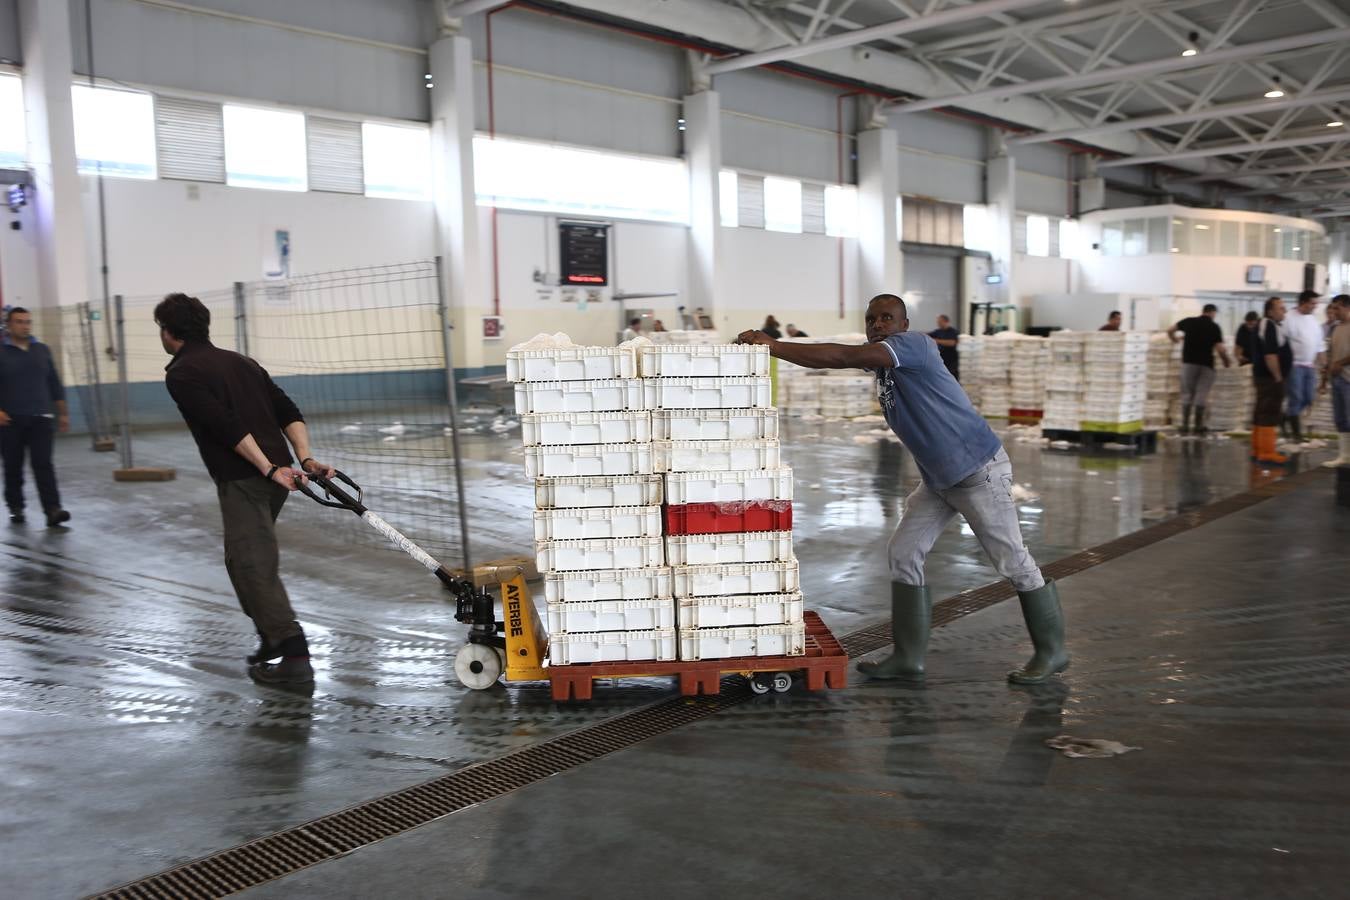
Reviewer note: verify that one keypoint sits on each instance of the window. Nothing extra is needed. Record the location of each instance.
(841, 210)
(265, 148)
(190, 138)
(1157, 235)
(397, 161)
(13, 138)
(1252, 239)
(813, 208)
(544, 177)
(726, 198)
(1113, 238)
(334, 151)
(1301, 248)
(1202, 238)
(1068, 238)
(1287, 244)
(1038, 236)
(1270, 247)
(1230, 238)
(1136, 237)
(114, 131)
(783, 205)
(1181, 235)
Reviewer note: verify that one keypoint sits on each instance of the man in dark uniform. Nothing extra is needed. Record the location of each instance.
(1245, 343)
(31, 394)
(947, 338)
(241, 421)
(1270, 367)
(1203, 336)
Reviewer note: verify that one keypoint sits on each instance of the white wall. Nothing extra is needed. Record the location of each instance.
(1041, 275)
(794, 277)
(18, 257)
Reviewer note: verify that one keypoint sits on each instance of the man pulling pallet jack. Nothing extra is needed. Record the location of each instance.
(965, 470)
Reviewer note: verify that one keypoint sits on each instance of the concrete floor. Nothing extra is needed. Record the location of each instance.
(132, 741)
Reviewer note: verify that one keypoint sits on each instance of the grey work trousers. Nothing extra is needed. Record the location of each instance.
(249, 508)
(985, 499)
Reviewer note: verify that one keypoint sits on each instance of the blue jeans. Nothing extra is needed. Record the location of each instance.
(1340, 402)
(985, 499)
(1299, 389)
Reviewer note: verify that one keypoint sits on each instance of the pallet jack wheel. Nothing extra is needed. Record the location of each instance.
(761, 683)
(782, 682)
(478, 666)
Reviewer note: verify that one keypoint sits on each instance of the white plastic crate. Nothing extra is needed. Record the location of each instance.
(612, 646)
(601, 490)
(579, 396)
(738, 611)
(717, 360)
(726, 643)
(623, 427)
(604, 522)
(605, 553)
(728, 487)
(565, 460)
(607, 584)
(715, 549)
(610, 615)
(753, 392)
(714, 424)
(736, 578)
(715, 456)
(570, 364)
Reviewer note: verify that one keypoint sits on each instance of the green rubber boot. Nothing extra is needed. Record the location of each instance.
(1045, 623)
(911, 616)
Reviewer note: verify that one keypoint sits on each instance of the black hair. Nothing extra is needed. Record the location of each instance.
(1305, 296)
(637, 321)
(1270, 304)
(1252, 316)
(1210, 307)
(185, 318)
(13, 310)
(1342, 299)
(1114, 313)
(892, 298)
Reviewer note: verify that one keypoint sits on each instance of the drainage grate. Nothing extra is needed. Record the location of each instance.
(286, 852)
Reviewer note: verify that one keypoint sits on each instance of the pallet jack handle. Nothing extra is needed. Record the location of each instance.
(343, 500)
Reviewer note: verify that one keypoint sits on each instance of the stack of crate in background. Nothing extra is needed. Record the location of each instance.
(728, 514)
(598, 529)
(1115, 370)
(1164, 381)
(1030, 362)
(995, 361)
(832, 393)
(970, 351)
(1320, 420)
(1231, 399)
(1064, 384)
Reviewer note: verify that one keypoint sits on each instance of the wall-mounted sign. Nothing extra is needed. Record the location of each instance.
(492, 328)
(584, 251)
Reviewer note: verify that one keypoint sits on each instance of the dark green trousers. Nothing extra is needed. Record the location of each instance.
(249, 508)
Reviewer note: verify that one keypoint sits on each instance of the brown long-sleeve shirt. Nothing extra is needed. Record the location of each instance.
(224, 397)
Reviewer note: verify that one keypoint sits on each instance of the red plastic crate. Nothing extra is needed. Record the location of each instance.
(729, 518)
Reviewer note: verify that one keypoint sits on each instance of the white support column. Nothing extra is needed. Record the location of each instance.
(703, 150)
(451, 62)
(57, 214)
(1336, 243)
(880, 265)
(1001, 196)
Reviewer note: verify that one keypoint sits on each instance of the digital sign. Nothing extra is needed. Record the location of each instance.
(584, 253)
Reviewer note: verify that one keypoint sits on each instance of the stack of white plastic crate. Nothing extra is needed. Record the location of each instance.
(1231, 399)
(597, 523)
(728, 513)
(832, 393)
(970, 351)
(1064, 382)
(1164, 381)
(995, 361)
(698, 338)
(1115, 370)
(1029, 365)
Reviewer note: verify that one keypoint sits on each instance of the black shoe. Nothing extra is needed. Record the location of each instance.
(56, 517)
(264, 653)
(291, 670)
(16, 517)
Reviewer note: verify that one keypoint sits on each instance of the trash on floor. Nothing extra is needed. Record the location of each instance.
(1022, 493)
(1087, 748)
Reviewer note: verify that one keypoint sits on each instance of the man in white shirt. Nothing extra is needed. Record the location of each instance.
(633, 331)
(1307, 341)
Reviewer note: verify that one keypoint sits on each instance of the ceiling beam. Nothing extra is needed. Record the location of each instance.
(1135, 70)
(471, 7)
(1337, 135)
(1274, 170)
(951, 16)
(1186, 116)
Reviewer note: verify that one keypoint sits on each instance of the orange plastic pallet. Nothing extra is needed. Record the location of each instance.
(824, 664)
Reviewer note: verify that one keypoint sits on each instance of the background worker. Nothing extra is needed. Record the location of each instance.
(1338, 375)
(1112, 321)
(241, 422)
(965, 471)
(1244, 342)
(30, 394)
(947, 338)
(794, 331)
(1307, 343)
(633, 330)
(1203, 337)
(771, 328)
(1270, 365)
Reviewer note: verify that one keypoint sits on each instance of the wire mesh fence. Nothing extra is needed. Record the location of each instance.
(361, 351)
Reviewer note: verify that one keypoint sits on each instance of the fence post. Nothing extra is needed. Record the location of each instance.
(124, 433)
(240, 319)
(453, 403)
(86, 394)
(103, 439)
